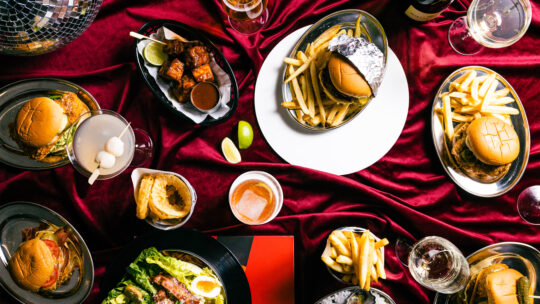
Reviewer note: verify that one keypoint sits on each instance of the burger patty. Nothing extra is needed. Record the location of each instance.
(469, 164)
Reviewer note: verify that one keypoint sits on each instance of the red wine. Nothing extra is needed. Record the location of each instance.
(425, 10)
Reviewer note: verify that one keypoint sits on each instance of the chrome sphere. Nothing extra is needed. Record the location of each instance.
(33, 27)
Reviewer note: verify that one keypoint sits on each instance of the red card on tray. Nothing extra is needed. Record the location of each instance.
(269, 265)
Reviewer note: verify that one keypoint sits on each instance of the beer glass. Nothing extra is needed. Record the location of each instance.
(246, 16)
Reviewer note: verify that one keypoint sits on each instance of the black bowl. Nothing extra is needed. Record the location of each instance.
(190, 34)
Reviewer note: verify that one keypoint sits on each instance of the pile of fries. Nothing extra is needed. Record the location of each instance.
(310, 104)
(470, 97)
(358, 257)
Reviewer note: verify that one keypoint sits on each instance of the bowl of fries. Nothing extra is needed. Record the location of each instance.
(467, 94)
(354, 255)
(303, 97)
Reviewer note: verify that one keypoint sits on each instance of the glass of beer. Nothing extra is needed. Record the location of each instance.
(246, 16)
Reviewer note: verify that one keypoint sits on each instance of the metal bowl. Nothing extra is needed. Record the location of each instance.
(341, 296)
(136, 176)
(358, 230)
(347, 20)
(521, 126)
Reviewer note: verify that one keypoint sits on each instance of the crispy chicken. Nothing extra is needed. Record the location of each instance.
(196, 56)
(203, 73)
(174, 48)
(172, 70)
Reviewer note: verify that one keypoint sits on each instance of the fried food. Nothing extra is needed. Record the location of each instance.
(172, 70)
(358, 257)
(163, 197)
(143, 196)
(203, 73)
(196, 56)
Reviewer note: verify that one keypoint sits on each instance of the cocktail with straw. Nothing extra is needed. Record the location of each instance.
(105, 144)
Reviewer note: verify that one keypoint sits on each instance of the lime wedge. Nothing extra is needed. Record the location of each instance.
(245, 134)
(230, 151)
(153, 53)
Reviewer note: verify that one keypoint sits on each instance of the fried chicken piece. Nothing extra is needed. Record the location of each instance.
(203, 73)
(73, 106)
(181, 94)
(172, 70)
(134, 294)
(188, 82)
(174, 48)
(177, 289)
(196, 56)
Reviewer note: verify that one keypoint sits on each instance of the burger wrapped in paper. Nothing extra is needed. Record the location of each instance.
(45, 259)
(485, 148)
(42, 127)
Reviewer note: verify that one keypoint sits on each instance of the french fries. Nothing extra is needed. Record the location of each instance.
(471, 96)
(358, 257)
(309, 103)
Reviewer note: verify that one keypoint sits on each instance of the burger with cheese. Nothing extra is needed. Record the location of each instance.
(485, 148)
(42, 127)
(46, 259)
(342, 82)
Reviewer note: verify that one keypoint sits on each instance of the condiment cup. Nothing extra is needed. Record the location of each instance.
(266, 178)
(136, 176)
(217, 102)
(357, 230)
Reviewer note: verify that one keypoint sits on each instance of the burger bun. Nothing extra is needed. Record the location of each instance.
(32, 264)
(346, 78)
(493, 141)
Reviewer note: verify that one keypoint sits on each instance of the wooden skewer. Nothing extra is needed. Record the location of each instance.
(95, 173)
(534, 297)
(141, 36)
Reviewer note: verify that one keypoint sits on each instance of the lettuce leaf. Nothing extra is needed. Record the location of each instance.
(64, 139)
(182, 271)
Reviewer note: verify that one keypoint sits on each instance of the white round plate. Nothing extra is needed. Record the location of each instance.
(348, 149)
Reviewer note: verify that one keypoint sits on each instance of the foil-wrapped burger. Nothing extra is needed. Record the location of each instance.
(354, 70)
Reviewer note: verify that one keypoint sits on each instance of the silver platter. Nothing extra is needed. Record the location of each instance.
(519, 256)
(520, 125)
(340, 296)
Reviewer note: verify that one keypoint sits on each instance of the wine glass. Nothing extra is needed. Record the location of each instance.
(528, 205)
(246, 16)
(435, 263)
(490, 23)
(90, 133)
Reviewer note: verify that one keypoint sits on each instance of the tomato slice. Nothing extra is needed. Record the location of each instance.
(55, 251)
(53, 247)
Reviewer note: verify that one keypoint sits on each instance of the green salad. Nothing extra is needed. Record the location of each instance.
(155, 277)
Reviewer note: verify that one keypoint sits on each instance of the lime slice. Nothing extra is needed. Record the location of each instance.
(230, 151)
(245, 134)
(153, 53)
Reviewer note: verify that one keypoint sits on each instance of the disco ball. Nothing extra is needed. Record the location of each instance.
(33, 27)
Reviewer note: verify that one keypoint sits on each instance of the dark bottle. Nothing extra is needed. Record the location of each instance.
(425, 10)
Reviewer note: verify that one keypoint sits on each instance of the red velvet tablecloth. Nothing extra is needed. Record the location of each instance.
(406, 193)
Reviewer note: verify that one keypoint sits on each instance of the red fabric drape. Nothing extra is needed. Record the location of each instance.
(406, 193)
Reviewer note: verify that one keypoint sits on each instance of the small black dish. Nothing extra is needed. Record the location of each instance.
(198, 244)
(190, 34)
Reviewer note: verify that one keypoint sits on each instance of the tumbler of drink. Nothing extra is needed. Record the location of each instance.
(246, 16)
(438, 265)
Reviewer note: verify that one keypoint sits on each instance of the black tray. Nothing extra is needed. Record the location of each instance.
(190, 34)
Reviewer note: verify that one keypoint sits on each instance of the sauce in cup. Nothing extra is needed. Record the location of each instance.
(205, 96)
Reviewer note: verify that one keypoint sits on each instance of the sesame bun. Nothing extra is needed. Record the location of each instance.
(40, 121)
(346, 78)
(492, 141)
(32, 264)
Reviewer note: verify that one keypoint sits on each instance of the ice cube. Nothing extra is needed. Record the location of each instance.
(251, 205)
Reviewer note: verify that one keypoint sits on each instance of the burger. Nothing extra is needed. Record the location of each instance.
(42, 126)
(342, 82)
(45, 259)
(485, 148)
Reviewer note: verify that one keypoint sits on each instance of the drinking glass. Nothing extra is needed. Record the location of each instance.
(246, 16)
(91, 132)
(436, 264)
(528, 205)
(490, 23)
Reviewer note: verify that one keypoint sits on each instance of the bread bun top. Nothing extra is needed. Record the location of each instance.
(39, 121)
(346, 78)
(501, 286)
(32, 264)
(493, 141)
